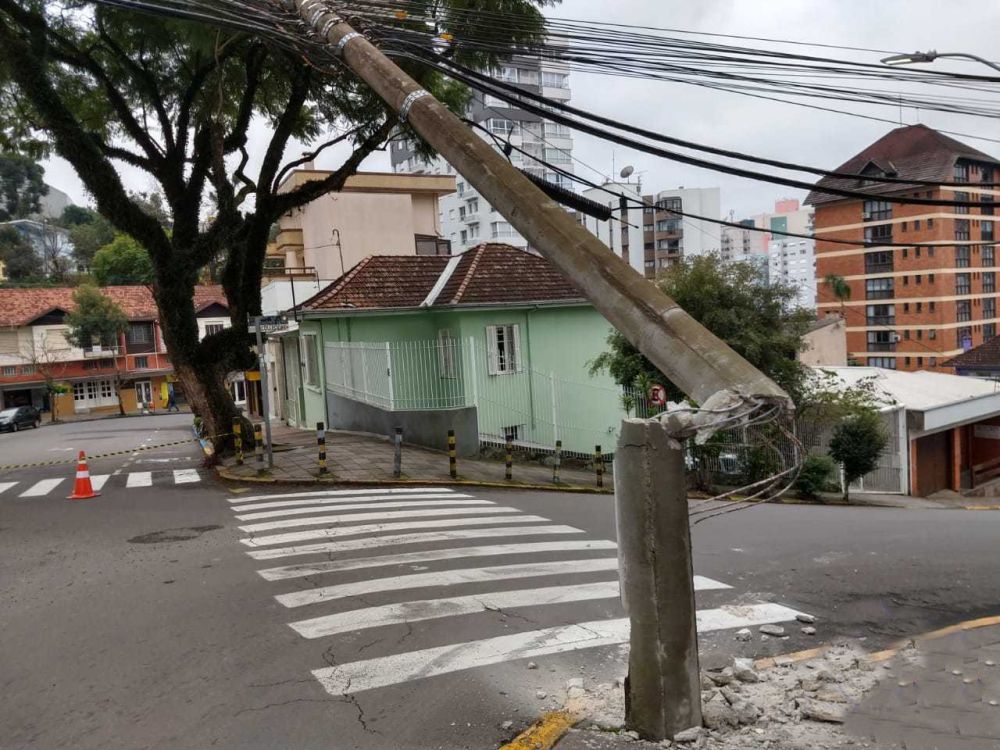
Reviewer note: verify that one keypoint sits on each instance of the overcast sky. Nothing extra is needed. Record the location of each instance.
(731, 120)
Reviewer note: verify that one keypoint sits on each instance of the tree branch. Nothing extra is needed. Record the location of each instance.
(310, 191)
(310, 156)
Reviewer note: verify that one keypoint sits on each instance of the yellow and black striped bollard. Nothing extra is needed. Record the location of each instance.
(599, 465)
(321, 443)
(556, 462)
(452, 455)
(258, 445)
(238, 433)
(509, 472)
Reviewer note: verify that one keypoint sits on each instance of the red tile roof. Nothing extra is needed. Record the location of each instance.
(914, 152)
(485, 275)
(986, 355)
(18, 307)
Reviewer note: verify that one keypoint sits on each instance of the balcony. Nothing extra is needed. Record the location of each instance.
(881, 320)
(881, 346)
(96, 352)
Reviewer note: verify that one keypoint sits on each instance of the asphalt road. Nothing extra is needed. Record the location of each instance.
(139, 620)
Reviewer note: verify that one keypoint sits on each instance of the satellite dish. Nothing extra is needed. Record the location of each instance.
(627, 172)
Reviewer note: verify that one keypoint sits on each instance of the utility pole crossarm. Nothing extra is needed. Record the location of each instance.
(697, 361)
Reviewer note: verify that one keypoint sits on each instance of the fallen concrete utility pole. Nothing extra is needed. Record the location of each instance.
(663, 689)
(691, 356)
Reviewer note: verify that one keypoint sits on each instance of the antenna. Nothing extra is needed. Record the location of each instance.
(627, 172)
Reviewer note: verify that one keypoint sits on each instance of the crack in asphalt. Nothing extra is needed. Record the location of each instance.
(504, 613)
(283, 703)
(345, 697)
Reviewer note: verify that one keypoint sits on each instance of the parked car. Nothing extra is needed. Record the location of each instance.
(12, 420)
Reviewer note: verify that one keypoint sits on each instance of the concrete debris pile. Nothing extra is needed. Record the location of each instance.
(791, 706)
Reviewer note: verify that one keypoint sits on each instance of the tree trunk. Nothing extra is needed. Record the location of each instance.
(847, 490)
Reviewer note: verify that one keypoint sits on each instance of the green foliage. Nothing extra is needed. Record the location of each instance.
(123, 261)
(735, 303)
(815, 476)
(856, 444)
(22, 186)
(24, 265)
(824, 401)
(838, 287)
(88, 232)
(96, 319)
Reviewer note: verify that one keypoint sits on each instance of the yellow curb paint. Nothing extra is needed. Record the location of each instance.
(980, 507)
(792, 658)
(544, 733)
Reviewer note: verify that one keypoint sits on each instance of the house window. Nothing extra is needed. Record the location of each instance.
(932, 334)
(504, 349)
(879, 288)
(238, 389)
(964, 337)
(211, 328)
(989, 308)
(963, 310)
(881, 341)
(888, 363)
(988, 255)
(142, 363)
(960, 196)
(311, 354)
(447, 353)
(963, 283)
(9, 371)
(875, 210)
(930, 223)
(139, 333)
(961, 257)
(916, 224)
(920, 334)
(989, 331)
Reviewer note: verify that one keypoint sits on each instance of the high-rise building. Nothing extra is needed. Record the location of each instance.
(910, 308)
(466, 218)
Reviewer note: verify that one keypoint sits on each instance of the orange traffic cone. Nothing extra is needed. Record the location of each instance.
(83, 489)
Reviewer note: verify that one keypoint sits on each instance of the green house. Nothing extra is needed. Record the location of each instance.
(490, 343)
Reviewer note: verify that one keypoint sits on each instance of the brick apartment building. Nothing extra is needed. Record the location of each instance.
(911, 308)
(34, 351)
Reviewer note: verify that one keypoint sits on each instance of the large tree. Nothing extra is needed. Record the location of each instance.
(736, 303)
(121, 261)
(88, 232)
(21, 186)
(174, 99)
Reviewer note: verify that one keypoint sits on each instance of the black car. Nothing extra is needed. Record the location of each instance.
(12, 420)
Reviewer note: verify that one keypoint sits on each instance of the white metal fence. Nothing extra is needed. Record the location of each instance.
(536, 408)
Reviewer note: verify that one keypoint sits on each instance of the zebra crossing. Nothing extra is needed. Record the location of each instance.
(378, 558)
(58, 486)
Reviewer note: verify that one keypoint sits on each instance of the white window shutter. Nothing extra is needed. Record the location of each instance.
(515, 348)
(492, 363)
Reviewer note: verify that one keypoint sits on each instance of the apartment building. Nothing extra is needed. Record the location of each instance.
(667, 236)
(35, 352)
(375, 213)
(911, 308)
(467, 219)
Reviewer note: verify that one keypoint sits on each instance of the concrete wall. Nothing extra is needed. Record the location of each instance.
(826, 346)
(427, 428)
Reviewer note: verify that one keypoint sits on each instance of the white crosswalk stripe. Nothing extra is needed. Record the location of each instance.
(41, 488)
(367, 674)
(373, 543)
(103, 482)
(140, 479)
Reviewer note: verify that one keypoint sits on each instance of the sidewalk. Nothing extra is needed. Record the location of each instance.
(355, 458)
(940, 693)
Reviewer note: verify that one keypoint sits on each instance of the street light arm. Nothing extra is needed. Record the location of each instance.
(932, 55)
(969, 56)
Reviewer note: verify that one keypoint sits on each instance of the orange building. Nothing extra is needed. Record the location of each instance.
(911, 308)
(35, 352)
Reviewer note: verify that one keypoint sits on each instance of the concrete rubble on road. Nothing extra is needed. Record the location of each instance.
(792, 706)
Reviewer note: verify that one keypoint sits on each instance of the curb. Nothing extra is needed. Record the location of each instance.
(224, 473)
(544, 733)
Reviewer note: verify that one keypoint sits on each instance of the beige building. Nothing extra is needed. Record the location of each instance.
(825, 344)
(374, 214)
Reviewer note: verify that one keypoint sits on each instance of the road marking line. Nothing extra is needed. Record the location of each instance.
(4, 486)
(398, 503)
(290, 523)
(435, 609)
(41, 487)
(140, 479)
(354, 499)
(373, 529)
(186, 476)
(406, 558)
(446, 578)
(98, 481)
(340, 493)
(357, 676)
(393, 540)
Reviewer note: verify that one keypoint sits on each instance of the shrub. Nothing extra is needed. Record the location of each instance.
(815, 477)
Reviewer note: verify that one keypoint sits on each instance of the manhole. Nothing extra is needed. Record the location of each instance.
(172, 535)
